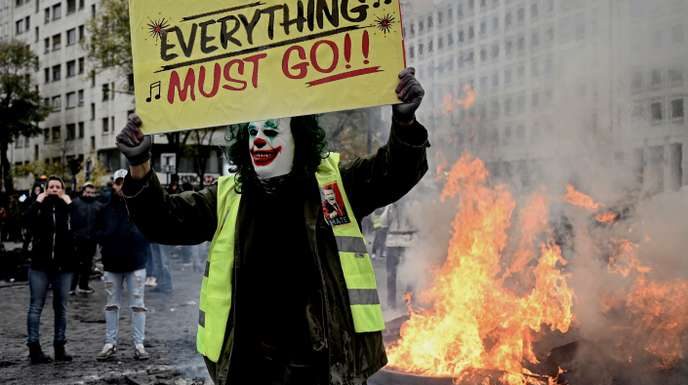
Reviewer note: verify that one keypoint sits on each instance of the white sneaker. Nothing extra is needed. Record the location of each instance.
(107, 352)
(151, 282)
(140, 352)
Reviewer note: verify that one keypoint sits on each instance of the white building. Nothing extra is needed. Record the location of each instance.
(557, 81)
(89, 108)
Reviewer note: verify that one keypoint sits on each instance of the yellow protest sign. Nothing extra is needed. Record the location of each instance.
(215, 62)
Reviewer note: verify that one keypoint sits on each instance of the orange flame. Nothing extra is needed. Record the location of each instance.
(579, 199)
(475, 322)
(607, 217)
(449, 104)
(468, 99)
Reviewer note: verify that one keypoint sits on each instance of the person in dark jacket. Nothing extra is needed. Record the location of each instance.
(52, 264)
(124, 251)
(84, 211)
(287, 297)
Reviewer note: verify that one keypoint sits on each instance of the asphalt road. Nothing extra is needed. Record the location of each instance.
(170, 338)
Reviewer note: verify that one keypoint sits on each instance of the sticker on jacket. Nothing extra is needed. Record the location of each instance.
(333, 205)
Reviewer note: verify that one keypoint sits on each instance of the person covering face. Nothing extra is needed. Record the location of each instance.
(289, 294)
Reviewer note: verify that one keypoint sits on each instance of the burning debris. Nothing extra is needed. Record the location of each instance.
(474, 320)
(502, 308)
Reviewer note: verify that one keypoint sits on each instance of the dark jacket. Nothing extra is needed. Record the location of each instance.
(84, 213)
(53, 239)
(123, 248)
(370, 183)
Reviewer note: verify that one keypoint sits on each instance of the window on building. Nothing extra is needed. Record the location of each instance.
(81, 33)
(483, 5)
(80, 98)
(430, 45)
(71, 36)
(450, 39)
(461, 36)
(71, 131)
(112, 122)
(71, 100)
(521, 45)
(677, 34)
(57, 11)
(71, 68)
(47, 16)
(106, 92)
(93, 111)
(509, 48)
(521, 15)
(81, 66)
(411, 52)
(676, 77)
(81, 130)
(57, 103)
(421, 26)
(19, 27)
(106, 125)
(420, 48)
(471, 6)
(534, 13)
(637, 82)
(440, 42)
(82, 4)
(495, 80)
(93, 10)
(57, 42)
(656, 78)
(57, 133)
(46, 43)
(495, 24)
(71, 6)
(535, 39)
(459, 11)
(57, 72)
(483, 54)
(535, 100)
(471, 32)
(677, 109)
(507, 76)
(495, 51)
(450, 15)
(656, 111)
(37, 34)
(46, 75)
(508, 20)
(93, 143)
(483, 28)
(46, 135)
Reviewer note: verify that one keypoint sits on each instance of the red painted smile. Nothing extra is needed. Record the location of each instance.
(262, 158)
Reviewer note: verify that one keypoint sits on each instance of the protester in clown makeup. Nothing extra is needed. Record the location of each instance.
(279, 302)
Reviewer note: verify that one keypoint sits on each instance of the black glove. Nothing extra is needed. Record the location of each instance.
(133, 143)
(411, 93)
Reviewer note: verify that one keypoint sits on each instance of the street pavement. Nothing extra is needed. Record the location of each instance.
(170, 338)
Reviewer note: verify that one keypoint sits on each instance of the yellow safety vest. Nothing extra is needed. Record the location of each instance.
(216, 288)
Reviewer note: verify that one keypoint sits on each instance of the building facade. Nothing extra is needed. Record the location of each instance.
(525, 84)
(89, 107)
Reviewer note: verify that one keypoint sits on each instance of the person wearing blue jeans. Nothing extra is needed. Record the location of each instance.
(114, 285)
(52, 263)
(158, 267)
(124, 251)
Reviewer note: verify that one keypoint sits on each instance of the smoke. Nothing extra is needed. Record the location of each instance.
(584, 112)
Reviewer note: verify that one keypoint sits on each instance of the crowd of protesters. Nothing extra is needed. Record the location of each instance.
(62, 234)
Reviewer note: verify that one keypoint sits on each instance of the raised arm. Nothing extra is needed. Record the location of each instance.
(173, 219)
(399, 165)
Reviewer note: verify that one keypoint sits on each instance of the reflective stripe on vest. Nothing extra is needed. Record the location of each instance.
(216, 288)
(353, 256)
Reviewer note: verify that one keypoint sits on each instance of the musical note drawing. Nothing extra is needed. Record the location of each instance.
(155, 86)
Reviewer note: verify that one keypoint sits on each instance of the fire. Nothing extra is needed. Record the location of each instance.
(579, 199)
(469, 97)
(476, 320)
(607, 217)
(467, 101)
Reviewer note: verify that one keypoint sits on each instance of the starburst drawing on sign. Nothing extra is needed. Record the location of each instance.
(384, 23)
(157, 27)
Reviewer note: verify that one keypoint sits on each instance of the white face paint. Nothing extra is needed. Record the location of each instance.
(271, 146)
